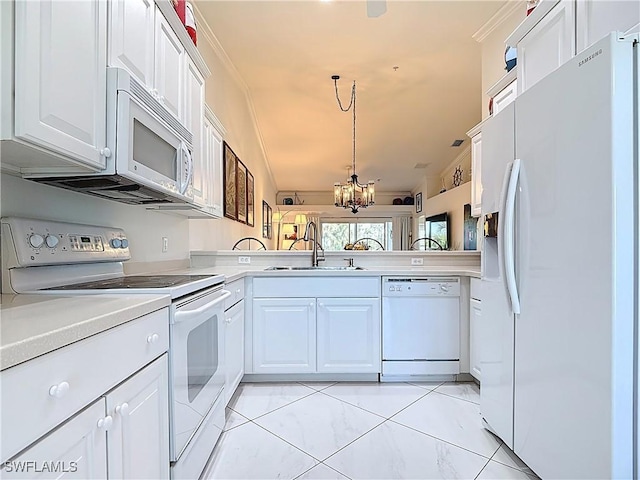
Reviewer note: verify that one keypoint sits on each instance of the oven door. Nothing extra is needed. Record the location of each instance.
(197, 362)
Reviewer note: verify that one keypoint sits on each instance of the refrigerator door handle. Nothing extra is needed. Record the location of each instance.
(509, 237)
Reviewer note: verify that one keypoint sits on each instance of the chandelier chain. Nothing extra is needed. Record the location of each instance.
(352, 104)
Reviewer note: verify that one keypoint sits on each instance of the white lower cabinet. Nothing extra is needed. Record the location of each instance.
(316, 335)
(77, 449)
(475, 343)
(284, 335)
(138, 439)
(233, 348)
(348, 335)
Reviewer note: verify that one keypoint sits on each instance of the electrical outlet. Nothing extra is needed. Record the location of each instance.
(165, 244)
(245, 260)
(417, 261)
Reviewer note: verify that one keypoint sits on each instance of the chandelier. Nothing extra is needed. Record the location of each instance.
(352, 194)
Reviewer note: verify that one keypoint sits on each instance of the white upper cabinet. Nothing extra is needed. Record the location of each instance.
(595, 19)
(193, 120)
(131, 37)
(476, 169)
(214, 136)
(505, 96)
(549, 44)
(169, 67)
(60, 77)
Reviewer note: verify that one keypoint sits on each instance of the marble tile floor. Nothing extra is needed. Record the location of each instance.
(360, 431)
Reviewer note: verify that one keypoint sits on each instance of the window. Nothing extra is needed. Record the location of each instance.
(336, 233)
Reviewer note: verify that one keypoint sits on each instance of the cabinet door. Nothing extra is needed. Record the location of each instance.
(349, 335)
(595, 19)
(193, 120)
(139, 437)
(475, 334)
(234, 348)
(60, 77)
(284, 335)
(213, 148)
(505, 96)
(476, 172)
(547, 46)
(169, 66)
(131, 37)
(77, 450)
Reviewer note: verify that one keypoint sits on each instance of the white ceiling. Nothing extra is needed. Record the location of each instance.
(286, 52)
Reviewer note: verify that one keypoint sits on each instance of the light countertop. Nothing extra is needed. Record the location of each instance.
(32, 325)
(234, 273)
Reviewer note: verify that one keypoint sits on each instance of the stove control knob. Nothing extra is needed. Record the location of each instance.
(36, 240)
(124, 243)
(51, 241)
(116, 243)
(444, 288)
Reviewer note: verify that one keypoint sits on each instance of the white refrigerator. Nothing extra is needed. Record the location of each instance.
(560, 267)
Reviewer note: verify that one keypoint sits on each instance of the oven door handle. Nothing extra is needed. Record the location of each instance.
(186, 315)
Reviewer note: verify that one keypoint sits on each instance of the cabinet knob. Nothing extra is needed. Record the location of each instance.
(105, 152)
(238, 291)
(227, 320)
(105, 422)
(321, 304)
(153, 338)
(59, 390)
(122, 409)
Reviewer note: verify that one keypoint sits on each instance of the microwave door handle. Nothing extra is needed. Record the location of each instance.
(186, 315)
(184, 153)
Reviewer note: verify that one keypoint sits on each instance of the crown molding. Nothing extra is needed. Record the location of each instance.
(504, 12)
(204, 29)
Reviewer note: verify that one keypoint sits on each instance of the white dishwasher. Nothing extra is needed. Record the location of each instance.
(420, 326)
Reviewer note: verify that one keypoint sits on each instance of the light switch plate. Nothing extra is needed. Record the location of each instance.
(417, 261)
(245, 260)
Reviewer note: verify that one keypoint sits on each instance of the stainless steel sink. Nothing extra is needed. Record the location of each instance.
(315, 268)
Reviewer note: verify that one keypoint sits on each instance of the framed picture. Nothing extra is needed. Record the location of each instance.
(266, 220)
(418, 202)
(470, 229)
(250, 200)
(241, 191)
(230, 189)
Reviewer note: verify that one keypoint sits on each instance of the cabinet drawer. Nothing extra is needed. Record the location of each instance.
(237, 293)
(476, 289)
(81, 372)
(316, 287)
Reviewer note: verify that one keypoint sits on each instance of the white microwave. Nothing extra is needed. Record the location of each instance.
(149, 153)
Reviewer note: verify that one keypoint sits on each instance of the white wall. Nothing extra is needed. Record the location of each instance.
(453, 202)
(227, 96)
(145, 229)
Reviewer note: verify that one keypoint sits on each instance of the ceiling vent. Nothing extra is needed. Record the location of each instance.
(421, 165)
(457, 143)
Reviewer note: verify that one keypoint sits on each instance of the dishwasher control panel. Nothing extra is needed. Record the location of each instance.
(420, 286)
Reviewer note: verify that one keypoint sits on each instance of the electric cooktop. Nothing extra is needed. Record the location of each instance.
(134, 281)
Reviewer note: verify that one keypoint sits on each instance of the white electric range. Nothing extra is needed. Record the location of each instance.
(45, 257)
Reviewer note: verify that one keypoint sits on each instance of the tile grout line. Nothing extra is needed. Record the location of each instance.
(282, 406)
(288, 442)
(351, 442)
(457, 398)
(442, 440)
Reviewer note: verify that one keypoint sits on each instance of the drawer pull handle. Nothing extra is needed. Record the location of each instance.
(122, 409)
(59, 390)
(105, 422)
(153, 338)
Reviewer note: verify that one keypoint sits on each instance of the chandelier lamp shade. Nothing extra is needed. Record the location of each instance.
(352, 194)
